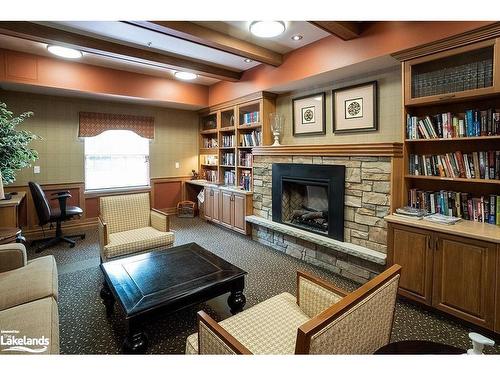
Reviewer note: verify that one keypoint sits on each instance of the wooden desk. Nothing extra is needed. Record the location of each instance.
(11, 210)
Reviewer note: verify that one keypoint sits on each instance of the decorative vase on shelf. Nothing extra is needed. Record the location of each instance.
(277, 120)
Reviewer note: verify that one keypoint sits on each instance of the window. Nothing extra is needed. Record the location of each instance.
(116, 159)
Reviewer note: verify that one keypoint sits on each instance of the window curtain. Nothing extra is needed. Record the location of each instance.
(92, 124)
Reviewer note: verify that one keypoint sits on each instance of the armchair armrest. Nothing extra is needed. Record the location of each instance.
(103, 233)
(12, 256)
(160, 220)
(62, 197)
(213, 339)
(315, 295)
(61, 192)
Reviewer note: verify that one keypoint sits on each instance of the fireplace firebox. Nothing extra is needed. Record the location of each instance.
(310, 197)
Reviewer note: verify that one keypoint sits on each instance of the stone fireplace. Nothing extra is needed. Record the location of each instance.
(360, 252)
(309, 197)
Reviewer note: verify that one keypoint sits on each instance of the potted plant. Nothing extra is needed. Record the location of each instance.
(15, 152)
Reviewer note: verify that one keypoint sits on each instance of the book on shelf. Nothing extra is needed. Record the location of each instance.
(229, 178)
(251, 139)
(228, 140)
(442, 219)
(409, 211)
(245, 159)
(245, 180)
(483, 165)
(251, 118)
(210, 159)
(472, 123)
(227, 158)
(485, 209)
(210, 175)
(210, 143)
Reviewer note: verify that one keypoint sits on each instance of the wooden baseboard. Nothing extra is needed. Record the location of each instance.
(76, 226)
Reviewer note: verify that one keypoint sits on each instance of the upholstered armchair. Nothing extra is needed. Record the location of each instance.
(322, 319)
(128, 225)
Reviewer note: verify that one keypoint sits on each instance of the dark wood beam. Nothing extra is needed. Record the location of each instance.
(345, 30)
(214, 39)
(45, 34)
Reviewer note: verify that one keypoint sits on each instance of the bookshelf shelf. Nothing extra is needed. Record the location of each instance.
(244, 167)
(454, 179)
(246, 121)
(461, 139)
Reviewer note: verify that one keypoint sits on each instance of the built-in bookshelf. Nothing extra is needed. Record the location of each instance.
(230, 131)
(452, 132)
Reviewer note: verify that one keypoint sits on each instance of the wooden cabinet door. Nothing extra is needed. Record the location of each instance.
(464, 278)
(497, 297)
(227, 208)
(216, 205)
(209, 202)
(239, 212)
(411, 249)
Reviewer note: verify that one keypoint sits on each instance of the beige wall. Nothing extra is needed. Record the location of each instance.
(389, 125)
(61, 151)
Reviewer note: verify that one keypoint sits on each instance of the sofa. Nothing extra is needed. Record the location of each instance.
(28, 302)
(128, 225)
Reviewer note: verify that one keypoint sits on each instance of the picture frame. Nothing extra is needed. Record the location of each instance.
(309, 115)
(354, 108)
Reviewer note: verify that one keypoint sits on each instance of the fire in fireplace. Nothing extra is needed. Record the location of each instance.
(310, 197)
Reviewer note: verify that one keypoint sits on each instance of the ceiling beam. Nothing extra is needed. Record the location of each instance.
(345, 30)
(214, 39)
(45, 34)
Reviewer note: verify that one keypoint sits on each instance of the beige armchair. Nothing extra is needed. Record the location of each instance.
(28, 298)
(321, 320)
(127, 225)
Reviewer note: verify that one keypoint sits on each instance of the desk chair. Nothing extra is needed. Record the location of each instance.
(47, 214)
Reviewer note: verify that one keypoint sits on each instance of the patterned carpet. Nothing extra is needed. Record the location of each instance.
(84, 328)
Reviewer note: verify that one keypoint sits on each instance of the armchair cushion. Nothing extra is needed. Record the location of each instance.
(125, 212)
(34, 319)
(12, 256)
(136, 240)
(36, 280)
(269, 327)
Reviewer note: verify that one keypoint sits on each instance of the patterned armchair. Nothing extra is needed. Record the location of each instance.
(127, 225)
(321, 320)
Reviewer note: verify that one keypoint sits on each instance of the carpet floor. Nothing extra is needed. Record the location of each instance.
(84, 328)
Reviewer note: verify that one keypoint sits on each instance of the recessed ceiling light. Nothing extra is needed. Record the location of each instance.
(186, 76)
(267, 29)
(67, 53)
(247, 60)
(297, 37)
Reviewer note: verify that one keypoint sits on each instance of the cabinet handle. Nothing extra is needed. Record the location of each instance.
(447, 97)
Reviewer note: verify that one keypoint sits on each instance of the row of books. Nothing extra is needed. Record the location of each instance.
(228, 140)
(210, 143)
(245, 159)
(246, 180)
(484, 209)
(210, 175)
(251, 139)
(469, 76)
(251, 117)
(210, 159)
(228, 158)
(474, 123)
(479, 165)
(229, 177)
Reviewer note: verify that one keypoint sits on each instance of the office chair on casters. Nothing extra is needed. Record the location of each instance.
(47, 214)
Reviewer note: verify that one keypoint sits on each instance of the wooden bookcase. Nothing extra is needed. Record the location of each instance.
(232, 119)
(452, 268)
(456, 98)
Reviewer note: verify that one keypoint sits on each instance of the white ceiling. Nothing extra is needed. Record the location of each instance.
(282, 43)
(37, 48)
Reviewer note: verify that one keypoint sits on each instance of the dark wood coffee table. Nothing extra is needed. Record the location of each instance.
(164, 281)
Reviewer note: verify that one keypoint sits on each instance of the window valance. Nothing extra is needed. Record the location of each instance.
(92, 124)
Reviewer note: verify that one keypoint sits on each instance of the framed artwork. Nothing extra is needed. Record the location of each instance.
(355, 108)
(308, 115)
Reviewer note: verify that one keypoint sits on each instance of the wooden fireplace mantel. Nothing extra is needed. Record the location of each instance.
(392, 149)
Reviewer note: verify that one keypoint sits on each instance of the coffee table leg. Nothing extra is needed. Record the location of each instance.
(136, 341)
(107, 298)
(236, 301)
